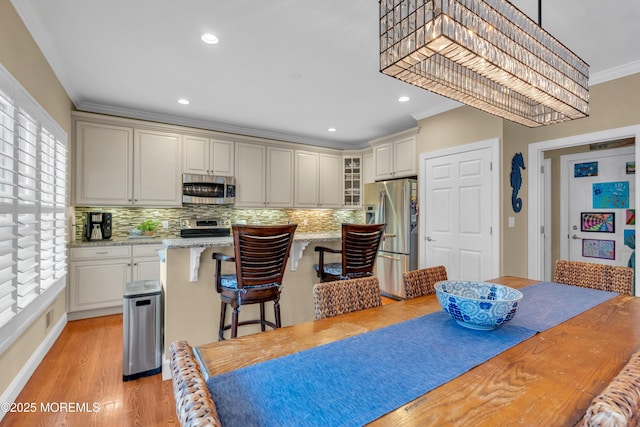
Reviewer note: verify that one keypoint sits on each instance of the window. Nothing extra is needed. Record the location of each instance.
(33, 161)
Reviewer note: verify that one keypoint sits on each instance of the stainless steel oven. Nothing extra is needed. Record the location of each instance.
(208, 190)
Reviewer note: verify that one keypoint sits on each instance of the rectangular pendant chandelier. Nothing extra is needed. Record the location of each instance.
(486, 54)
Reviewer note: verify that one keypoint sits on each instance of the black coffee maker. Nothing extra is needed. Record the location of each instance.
(97, 226)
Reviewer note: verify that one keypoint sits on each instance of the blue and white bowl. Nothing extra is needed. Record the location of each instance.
(478, 305)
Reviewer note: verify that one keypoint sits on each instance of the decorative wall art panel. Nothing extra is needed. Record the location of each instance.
(594, 248)
(628, 234)
(603, 222)
(580, 170)
(631, 217)
(611, 195)
(631, 167)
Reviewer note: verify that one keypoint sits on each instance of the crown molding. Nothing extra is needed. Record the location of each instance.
(615, 73)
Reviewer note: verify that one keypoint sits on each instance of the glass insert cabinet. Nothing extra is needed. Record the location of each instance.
(352, 171)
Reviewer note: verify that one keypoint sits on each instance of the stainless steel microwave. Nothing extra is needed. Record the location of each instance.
(208, 190)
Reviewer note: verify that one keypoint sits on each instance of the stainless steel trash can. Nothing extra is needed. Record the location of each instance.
(142, 313)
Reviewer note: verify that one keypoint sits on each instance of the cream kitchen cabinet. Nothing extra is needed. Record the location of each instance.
(103, 164)
(126, 166)
(368, 171)
(279, 181)
(352, 173)
(98, 275)
(206, 156)
(264, 176)
(395, 159)
(318, 180)
(395, 156)
(157, 170)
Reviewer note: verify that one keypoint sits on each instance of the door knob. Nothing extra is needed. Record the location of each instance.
(429, 239)
(574, 237)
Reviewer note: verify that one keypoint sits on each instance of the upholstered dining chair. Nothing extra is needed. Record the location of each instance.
(418, 283)
(360, 244)
(619, 403)
(596, 276)
(344, 296)
(261, 253)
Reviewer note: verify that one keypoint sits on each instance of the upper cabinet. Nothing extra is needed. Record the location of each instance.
(206, 156)
(157, 177)
(395, 156)
(368, 171)
(126, 166)
(352, 179)
(264, 176)
(103, 164)
(318, 180)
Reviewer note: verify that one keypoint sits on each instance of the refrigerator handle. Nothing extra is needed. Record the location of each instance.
(381, 207)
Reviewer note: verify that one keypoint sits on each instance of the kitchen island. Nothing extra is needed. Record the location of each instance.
(192, 305)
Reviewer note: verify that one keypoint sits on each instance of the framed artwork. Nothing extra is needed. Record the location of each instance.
(595, 248)
(631, 167)
(611, 195)
(631, 217)
(602, 222)
(580, 170)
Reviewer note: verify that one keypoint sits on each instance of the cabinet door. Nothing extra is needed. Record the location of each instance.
(103, 169)
(147, 268)
(405, 157)
(250, 174)
(279, 177)
(196, 155)
(368, 171)
(352, 181)
(222, 158)
(383, 160)
(157, 169)
(330, 181)
(98, 284)
(307, 178)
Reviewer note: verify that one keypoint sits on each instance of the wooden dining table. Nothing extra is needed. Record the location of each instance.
(548, 379)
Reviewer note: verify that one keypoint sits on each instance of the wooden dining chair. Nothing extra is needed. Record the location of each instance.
(261, 253)
(619, 403)
(596, 276)
(345, 296)
(421, 282)
(360, 244)
(194, 404)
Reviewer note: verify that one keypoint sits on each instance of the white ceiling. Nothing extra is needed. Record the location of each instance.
(284, 69)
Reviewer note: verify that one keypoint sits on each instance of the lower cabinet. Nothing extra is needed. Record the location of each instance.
(98, 275)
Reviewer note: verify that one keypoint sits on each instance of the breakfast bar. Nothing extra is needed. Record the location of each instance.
(546, 378)
(191, 304)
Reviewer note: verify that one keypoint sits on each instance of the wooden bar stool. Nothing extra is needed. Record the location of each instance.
(360, 244)
(261, 253)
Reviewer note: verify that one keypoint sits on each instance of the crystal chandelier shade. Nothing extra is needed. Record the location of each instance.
(483, 53)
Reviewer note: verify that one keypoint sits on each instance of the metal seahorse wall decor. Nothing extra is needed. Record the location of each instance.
(516, 181)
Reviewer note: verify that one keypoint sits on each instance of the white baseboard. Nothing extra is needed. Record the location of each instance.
(166, 369)
(18, 383)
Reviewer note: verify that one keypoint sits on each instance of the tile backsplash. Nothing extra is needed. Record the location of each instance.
(317, 220)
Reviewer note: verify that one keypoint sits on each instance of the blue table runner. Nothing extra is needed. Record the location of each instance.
(355, 380)
(547, 304)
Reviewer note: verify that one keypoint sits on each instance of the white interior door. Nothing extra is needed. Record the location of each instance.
(597, 192)
(459, 214)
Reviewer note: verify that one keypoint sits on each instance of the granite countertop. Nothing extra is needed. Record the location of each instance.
(155, 240)
(207, 242)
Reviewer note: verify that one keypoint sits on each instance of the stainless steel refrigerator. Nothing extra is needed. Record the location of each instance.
(394, 203)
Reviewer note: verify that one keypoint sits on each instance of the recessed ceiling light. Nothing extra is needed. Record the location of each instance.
(183, 101)
(209, 38)
(332, 129)
(403, 99)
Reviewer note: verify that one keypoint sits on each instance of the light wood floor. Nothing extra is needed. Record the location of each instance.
(84, 367)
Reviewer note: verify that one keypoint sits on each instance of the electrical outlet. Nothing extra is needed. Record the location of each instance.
(305, 222)
(165, 224)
